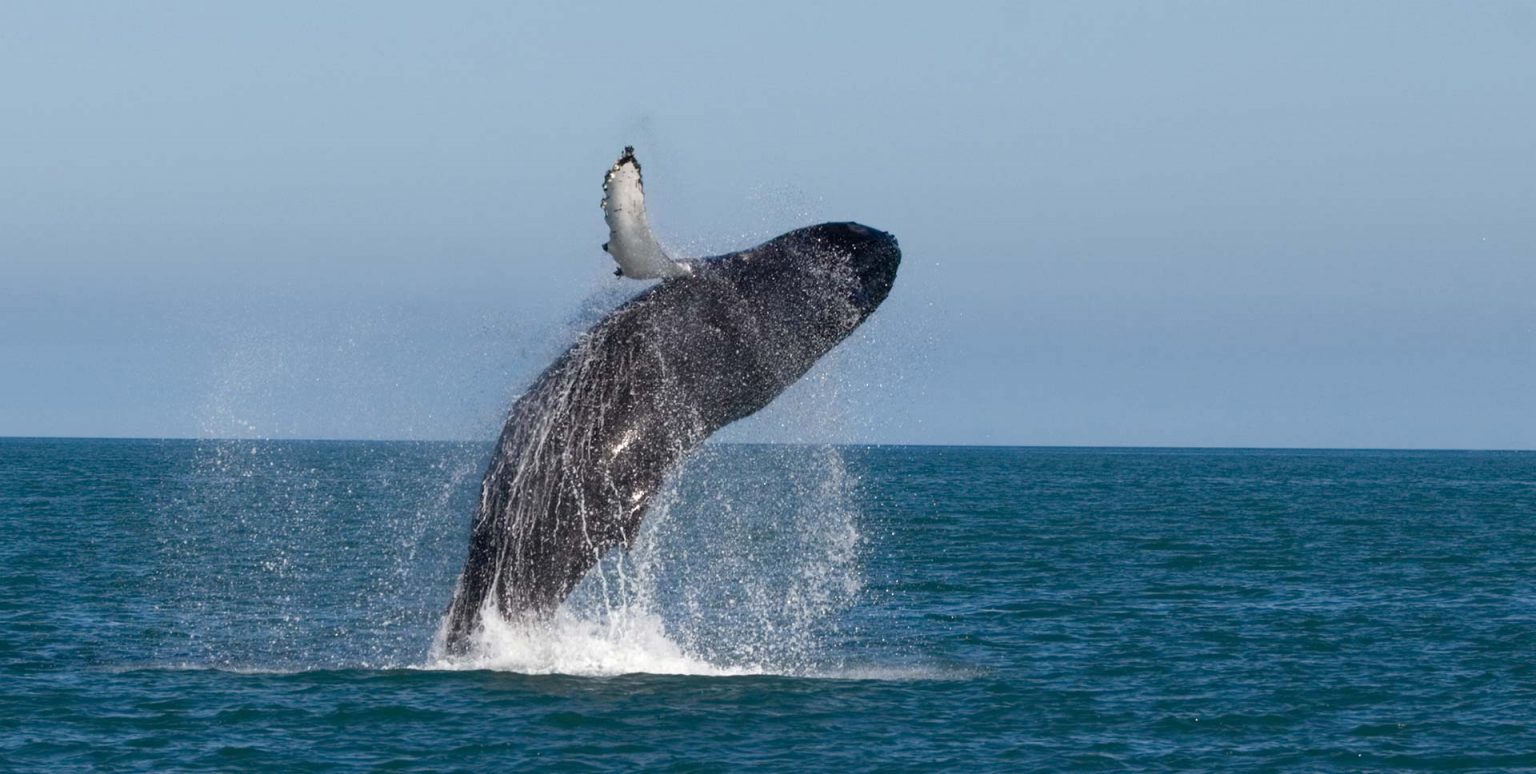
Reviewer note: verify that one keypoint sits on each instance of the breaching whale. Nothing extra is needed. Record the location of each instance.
(586, 447)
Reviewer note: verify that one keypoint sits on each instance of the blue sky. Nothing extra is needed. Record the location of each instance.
(1179, 223)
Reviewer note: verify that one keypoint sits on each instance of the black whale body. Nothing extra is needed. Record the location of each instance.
(586, 447)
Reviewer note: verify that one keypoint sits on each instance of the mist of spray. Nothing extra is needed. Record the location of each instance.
(745, 565)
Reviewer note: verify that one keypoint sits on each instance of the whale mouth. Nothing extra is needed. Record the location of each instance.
(874, 258)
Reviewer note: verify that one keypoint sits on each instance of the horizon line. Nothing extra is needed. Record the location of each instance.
(973, 445)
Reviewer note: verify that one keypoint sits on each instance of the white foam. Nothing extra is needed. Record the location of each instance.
(623, 642)
(739, 573)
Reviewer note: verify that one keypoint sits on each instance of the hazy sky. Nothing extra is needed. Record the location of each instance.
(1148, 223)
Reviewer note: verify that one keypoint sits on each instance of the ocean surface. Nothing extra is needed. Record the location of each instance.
(238, 605)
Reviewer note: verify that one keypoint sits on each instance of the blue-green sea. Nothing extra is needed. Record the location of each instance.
(241, 605)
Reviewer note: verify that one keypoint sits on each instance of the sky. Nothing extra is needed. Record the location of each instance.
(1123, 223)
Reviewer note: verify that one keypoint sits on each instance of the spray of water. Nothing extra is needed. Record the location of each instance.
(746, 563)
(745, 566)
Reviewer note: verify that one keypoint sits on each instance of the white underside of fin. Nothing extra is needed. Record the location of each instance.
(630, 240)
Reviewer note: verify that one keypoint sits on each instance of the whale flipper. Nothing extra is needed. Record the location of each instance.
(630, 240)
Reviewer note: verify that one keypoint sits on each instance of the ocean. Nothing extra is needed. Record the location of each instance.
(238, 605)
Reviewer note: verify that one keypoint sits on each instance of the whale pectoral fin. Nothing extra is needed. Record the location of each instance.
(630, 240)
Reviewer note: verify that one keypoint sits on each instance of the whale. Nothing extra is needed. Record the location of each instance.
(587, 446)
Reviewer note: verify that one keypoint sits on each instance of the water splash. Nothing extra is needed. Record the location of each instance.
(745, 566)
(279, 556)
(625, 641)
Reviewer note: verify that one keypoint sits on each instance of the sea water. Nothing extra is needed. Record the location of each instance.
(227, 605)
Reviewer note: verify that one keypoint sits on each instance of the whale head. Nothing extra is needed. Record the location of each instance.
(847, 268)
(872, 258)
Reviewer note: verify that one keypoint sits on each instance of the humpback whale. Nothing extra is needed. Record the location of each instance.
(588, 445)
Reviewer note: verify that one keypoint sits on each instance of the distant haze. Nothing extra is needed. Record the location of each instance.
(1125, 223)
